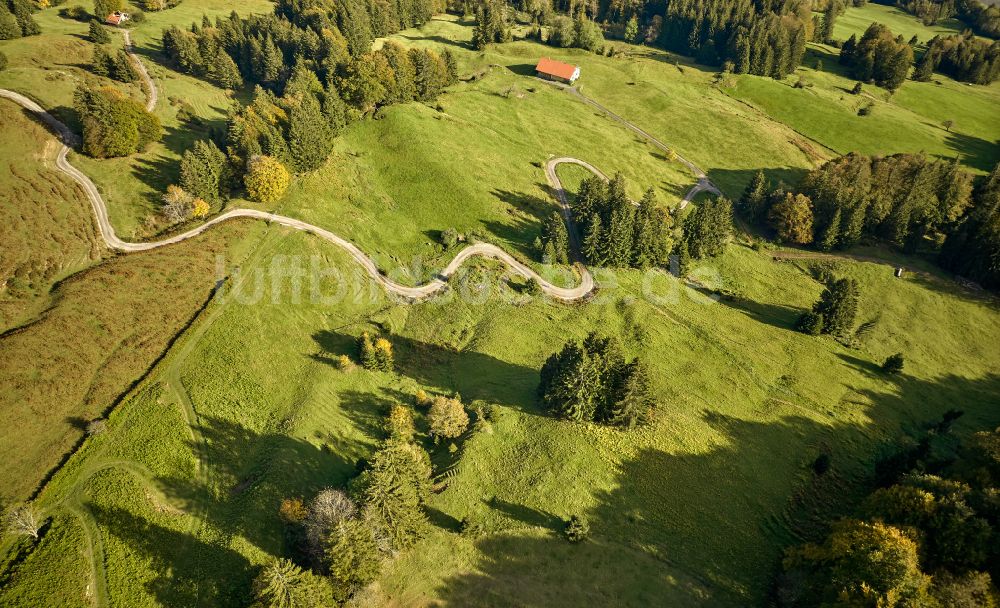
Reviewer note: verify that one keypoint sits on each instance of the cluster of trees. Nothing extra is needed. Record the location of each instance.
(972, 249)
(113, 123)
(581, 33)
(906, 200)
(118, 66)
(16, 19)
(269, 50)
(593, 381)
(902, 199)
(313, 73)
(493, 24)
(617, 232)
(928, 537)
(180, 205)
(961, 56)
(158, 5)
(375, 355)
(835, 311)
(984, 19)
(878, 57)
(764, 38)
(707, 229)
(344, 536)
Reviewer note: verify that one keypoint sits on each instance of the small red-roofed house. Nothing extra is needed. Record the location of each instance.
(551, 69)
(116, 18)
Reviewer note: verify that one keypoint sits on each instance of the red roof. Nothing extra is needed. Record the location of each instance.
(114, 19)
(555, 68)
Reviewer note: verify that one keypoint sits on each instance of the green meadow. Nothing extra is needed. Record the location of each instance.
(222, 402)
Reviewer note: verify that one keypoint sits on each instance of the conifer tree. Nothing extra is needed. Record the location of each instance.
(753, 203)
(97, 33)
(310, 138)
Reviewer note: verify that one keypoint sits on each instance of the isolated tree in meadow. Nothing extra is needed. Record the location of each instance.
(837, 307)
(97, 33)
(447, 417)
(3, 61)
(352, 556)
(22, 520)
(893, 364)
(856, 89)
(282, 584)
(205, 170)
(948, 124)
(266, 179)
(577, 529)
(792, 218)
(753, 203)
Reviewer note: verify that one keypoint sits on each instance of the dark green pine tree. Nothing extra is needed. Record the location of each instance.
(122, 69)
(310, 138)
(97, 33)
(753, 204)
(838, 306)
(554, 233)
(205, 171)
(645, 249)
(925, 67)
(593, 241)
(831, 233)
(619, 234)
(101, 62)
(272, 62)
(225, 72)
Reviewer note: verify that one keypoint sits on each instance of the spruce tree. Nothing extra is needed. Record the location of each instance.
(352, 557)
(310, 138)
(205, 171)
(838, 306)
(97, 33)
(592, 241)
(753, 203)
(554, 232)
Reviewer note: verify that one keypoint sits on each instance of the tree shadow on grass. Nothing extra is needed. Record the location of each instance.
(473, 375)
(974, 151)
(251, 472)
(708, 527)
(187, 571)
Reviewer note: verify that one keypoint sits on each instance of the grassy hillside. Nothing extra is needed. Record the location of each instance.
(176, 502)
(856, 20)
(46, 232)
(249, 408)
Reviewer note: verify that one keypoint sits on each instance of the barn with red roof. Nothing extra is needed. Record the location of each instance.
(551, 69)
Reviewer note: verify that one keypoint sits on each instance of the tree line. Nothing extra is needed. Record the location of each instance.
(984, 19)
(907, 200)
(16, 19)
(961, 56)
(927, 536)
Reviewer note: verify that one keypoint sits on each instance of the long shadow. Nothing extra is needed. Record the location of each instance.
(472, 374)
(441, 40)
(187, 571)
(974, 151)
(708, 527)
(251, 471)
(776, 315)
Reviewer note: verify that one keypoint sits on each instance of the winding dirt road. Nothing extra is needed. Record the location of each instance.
(419, 292)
